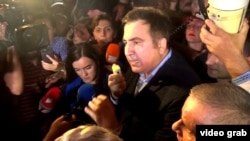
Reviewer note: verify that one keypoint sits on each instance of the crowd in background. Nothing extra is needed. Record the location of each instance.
(68, 49)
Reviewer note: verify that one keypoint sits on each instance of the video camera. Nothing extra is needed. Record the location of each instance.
(31, 37)
(26, 37)
(13, 15)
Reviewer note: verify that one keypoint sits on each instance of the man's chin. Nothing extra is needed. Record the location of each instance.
(212, 75)
(136, 69)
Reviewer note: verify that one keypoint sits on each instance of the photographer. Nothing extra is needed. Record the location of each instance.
(29, 118)
(22, 79)
(10, 79)
(25, 78)
(11, 82)
(10, 68)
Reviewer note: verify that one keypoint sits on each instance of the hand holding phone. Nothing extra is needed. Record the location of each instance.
(47, 51)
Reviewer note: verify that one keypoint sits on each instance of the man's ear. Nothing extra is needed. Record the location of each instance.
(162, 44)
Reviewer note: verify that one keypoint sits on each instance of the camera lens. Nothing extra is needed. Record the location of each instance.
(31, 36)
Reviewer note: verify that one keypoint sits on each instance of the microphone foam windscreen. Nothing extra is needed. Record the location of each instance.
(85, 93)
(112, 53)
(49, 100)
(53, 93)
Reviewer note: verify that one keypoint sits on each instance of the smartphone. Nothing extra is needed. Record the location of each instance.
(47, 51)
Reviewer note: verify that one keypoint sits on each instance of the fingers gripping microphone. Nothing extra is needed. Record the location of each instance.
(49, 100)
(112, 53)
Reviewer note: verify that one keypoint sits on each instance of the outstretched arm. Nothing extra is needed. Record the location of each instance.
(14, 76)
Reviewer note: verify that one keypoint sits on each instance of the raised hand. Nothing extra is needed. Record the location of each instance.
(117, 84)
(226, 46)
(102, 111)
(51, 66)
(58, 127)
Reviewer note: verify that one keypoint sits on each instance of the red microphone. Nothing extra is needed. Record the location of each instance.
(49, 100)
(112, 53)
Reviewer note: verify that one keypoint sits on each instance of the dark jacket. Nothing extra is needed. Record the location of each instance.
(149, 115)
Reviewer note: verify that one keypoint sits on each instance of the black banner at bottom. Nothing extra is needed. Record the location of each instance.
(223, 132)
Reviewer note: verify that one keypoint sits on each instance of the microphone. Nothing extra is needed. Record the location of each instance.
(116, 69)
(85, 94)
(112, 53)
(49, 100)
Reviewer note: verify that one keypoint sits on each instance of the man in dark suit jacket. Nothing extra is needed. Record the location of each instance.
(157, 82)
(151, 112)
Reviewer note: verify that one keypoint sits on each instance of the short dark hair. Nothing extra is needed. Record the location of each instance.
(159, 23)
(228, 101)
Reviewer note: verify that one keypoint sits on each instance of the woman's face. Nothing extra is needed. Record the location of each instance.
(85, 68)
(103, 32)
(193, 30)
(81, 34)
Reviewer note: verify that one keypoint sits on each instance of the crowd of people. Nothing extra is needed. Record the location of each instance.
(177, 70)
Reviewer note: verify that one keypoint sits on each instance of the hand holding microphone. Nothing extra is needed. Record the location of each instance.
(97, 108)
(85, 94)
(116, 82)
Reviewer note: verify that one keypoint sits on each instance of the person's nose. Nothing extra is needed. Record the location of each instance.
(129, 49)
(103, 32)
(176, 127)
(83, 73)
(211, 59)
